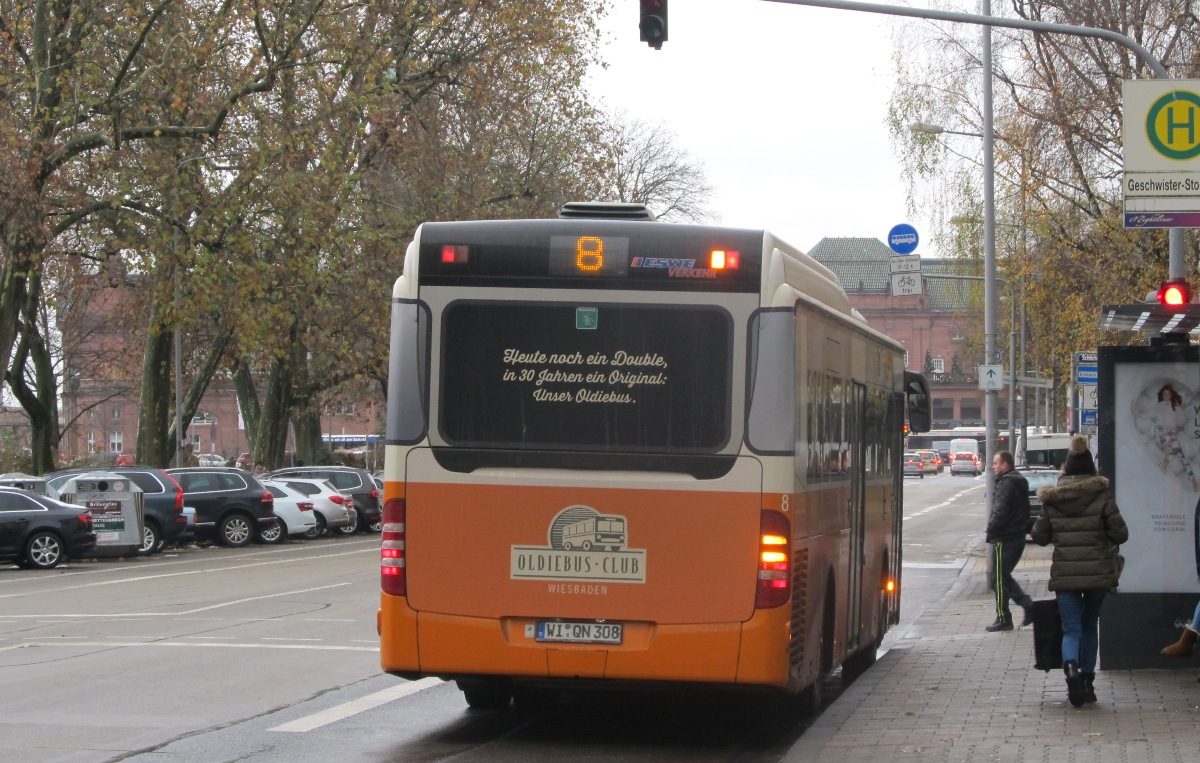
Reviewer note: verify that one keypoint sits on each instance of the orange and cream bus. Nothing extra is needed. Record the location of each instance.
(701, 405)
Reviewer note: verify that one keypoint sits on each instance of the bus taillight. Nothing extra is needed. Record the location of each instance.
(393, 578)
(774, 561)
(720, 259)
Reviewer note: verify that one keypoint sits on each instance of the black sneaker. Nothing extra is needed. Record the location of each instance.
(999, 625)
(1076, 691)
(1028, 619)
(1089, 688)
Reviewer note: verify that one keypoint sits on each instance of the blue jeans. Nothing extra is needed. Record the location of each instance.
(1080, 612)
(1196, 618)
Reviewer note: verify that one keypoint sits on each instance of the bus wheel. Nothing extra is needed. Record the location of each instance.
(810, 699)
(857, 664)
(587, 545)
(486, 695)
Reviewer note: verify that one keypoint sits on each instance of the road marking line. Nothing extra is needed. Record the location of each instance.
(943, 504)
(281, 638)
(206, 570)
(213, 638)
(123, 615)
(354, 707)
(193, 645)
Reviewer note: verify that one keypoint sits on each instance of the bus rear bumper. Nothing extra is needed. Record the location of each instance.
(423, 644)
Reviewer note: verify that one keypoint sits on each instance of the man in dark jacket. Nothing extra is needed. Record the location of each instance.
(1006, 532)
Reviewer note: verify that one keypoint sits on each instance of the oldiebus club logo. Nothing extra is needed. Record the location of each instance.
(583, 545)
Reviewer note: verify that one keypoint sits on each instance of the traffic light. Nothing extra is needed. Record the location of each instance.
(1174, 292)
(653, 24)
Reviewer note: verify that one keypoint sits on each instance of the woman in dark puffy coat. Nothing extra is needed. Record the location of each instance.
(1080, 517)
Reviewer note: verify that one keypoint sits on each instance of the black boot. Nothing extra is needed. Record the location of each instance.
(1000, 625)
(1089, 687)
(1027, 605)
(1075, 688)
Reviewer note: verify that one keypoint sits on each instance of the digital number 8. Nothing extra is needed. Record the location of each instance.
(589, 253)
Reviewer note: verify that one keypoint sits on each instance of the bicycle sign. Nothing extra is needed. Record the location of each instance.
(906, 284)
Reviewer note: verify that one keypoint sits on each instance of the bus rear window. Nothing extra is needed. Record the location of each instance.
(613, 378)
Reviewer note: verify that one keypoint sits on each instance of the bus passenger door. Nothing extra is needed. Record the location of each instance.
(857, 508)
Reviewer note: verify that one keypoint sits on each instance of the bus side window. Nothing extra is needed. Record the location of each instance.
(408, 373)
(771, 416)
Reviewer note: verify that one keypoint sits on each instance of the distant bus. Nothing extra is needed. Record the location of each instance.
(701, 405)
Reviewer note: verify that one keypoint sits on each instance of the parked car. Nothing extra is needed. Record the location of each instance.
(335, 509)
(232, 506)
(347, 479)
(931, 460)
(293, 510)
(965, 462)
(211, 459)
(162, 502)
(39, 531)
(1037, 477)
(914, 465)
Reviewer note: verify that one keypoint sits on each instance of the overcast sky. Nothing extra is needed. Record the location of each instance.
(783, 104)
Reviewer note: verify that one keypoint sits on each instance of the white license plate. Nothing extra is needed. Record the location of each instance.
(579, 633)
(108, 537)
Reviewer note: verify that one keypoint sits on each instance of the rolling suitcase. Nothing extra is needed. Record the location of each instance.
(1047, 635)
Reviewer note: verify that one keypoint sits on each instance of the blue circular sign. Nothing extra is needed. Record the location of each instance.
(903, 239)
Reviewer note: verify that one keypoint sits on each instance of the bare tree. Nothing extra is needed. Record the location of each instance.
(647, 166)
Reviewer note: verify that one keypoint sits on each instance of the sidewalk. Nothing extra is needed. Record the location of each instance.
(951, 692)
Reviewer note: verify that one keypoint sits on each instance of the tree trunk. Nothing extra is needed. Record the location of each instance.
(247, 396)
(307, 422)
(40, 404)
(272, 424)
(153, 446)
(204, 376)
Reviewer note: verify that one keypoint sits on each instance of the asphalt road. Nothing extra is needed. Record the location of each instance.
(269, 653)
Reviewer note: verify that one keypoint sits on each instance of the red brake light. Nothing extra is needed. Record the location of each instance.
(86, 519)
(720, 259)
(774, 560)
(268, 499)
(304, 506)
(393, 577)
(178, 493)
(338, 498)
(452, 253)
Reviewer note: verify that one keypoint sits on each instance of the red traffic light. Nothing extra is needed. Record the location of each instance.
(1175, 292)
(653, 23)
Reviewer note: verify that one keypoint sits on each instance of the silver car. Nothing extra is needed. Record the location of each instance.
(296, 513)
(335, 508)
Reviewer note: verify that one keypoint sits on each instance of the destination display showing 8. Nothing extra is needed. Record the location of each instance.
(588, 376)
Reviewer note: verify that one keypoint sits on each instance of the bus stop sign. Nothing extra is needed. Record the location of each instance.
(903, 239)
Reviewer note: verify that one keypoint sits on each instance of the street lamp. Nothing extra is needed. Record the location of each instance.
(925, 128)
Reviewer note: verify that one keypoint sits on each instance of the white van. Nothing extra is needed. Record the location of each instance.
(964, 457)
(1047, 449)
